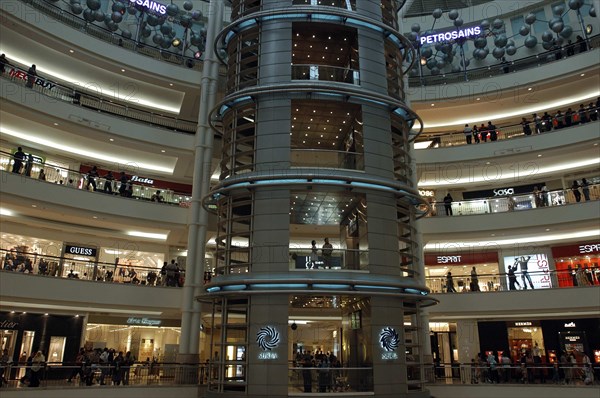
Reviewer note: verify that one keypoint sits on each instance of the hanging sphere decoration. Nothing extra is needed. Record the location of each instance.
(437, 13)
(76, 8)
(558, 9)
(453, 14)
(485, 24)
(458, 22)
(575, 4)
(99, 16)
(566, 32)
(480, 42)
(531, 42)
(511, 50)
(172, 10)
(415, 28)
(93, 4)
(530, 18)
(188, 5)
(593, 12)
(524, 30)
(116, 17)
(498, 52)
(547, 36)
(556, 24)
(501, 40)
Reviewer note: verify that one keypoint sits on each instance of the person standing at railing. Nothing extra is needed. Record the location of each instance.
(585, 187)
(448, 204)
(538, 123)
(547, 121)
(526, 126)
(476, 134)
(37, 368)
(450, 283)
(123, 184)
(18, 157)
(326, 251)
(3, 63)
(468, 131)
(493, 131)
(569, 117)
(583, 116)
(314, 256)
(31, 75)
(91, 178)
(483, 132)
(511, 203)
(28, 165)
(537, 197)
(109, 178)
(42, 175)
(575, 188)
(474, 280)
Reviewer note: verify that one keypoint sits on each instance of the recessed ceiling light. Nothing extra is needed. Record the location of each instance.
(33, 205)
(122, 70)
(94, 217)
(56, 124)
(529, 89)
(493, 234)
(478, 99)
(163, 151)
(171, 84)
(432, 104)
(582, 75)
(111, 139)
(487, 162)
(71, 51)
(540, 155)
(547, 229)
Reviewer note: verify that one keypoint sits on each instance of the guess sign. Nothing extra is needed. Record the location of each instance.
(82, 251)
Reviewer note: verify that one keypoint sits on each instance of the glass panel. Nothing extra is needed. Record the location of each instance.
(57, 349)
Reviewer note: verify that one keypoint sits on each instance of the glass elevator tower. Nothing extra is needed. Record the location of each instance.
(315, 144)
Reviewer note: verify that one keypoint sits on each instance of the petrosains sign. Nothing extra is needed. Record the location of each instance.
(81, 250)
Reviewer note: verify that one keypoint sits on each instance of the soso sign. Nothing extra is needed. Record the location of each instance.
(504, 192)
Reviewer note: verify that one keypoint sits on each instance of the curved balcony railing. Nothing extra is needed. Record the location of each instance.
(102, 272)
(567, 375)
(106, 35)
(524, 202)
(323, 158)
(340, 259)
(325, 73)
(486, 72)
(500, 282)
(504, 132)
(76, 96)
(72, 375)
(73, 179)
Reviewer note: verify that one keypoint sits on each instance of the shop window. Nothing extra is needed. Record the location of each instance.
(56, 350)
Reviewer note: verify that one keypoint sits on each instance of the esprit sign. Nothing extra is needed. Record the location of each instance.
(447, 36)
(595, 248)
(448, 259)
(150, 5)
(142, 180)
(504, 192)
(80, 250)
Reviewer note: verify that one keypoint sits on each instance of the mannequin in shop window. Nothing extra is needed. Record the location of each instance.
(474, 280)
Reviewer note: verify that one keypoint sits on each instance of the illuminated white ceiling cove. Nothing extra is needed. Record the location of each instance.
(114, 85)
(46, 138)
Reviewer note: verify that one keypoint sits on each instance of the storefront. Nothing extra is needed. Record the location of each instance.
(145, 336)
(57, 336)
(80, 260)
(460, 264)
(527, 271)
(544, 338)
(570, 258)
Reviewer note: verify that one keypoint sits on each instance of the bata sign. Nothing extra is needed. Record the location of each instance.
(84, 251)
(151, 5)
(447, 36)
(142, 180)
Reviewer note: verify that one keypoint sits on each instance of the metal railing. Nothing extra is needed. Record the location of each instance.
(505, 132)
(32, 263)
(74, 179)
(68, 374)
(330, 379)
(578, 375)
(516, 65)
(554, 198)
(323, 158)
(76, 95)
(101, 33)
(340, 259)
(501, 282)
(325, 73)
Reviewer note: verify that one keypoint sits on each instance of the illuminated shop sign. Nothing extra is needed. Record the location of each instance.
(142, 180)
(268, 339)
(150, 5)
(570, 325)
(504, 192)
(6, 324)
(523, 324)
(143, 321)
(584, 249)
(572, 338)
(448, 259)
(427, 194)
(389, 341)
(19, 74)
(81, 250)
(447, 36)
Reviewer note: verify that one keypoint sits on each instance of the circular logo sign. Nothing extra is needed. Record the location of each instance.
(389, 339)
(267, 338)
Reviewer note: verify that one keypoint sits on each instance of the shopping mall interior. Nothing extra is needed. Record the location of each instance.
(279, 198)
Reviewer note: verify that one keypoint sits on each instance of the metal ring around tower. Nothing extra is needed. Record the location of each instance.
(309, 13)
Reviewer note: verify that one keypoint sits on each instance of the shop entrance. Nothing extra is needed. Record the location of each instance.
(525, 340)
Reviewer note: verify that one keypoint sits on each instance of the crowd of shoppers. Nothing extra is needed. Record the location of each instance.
(106, 366)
